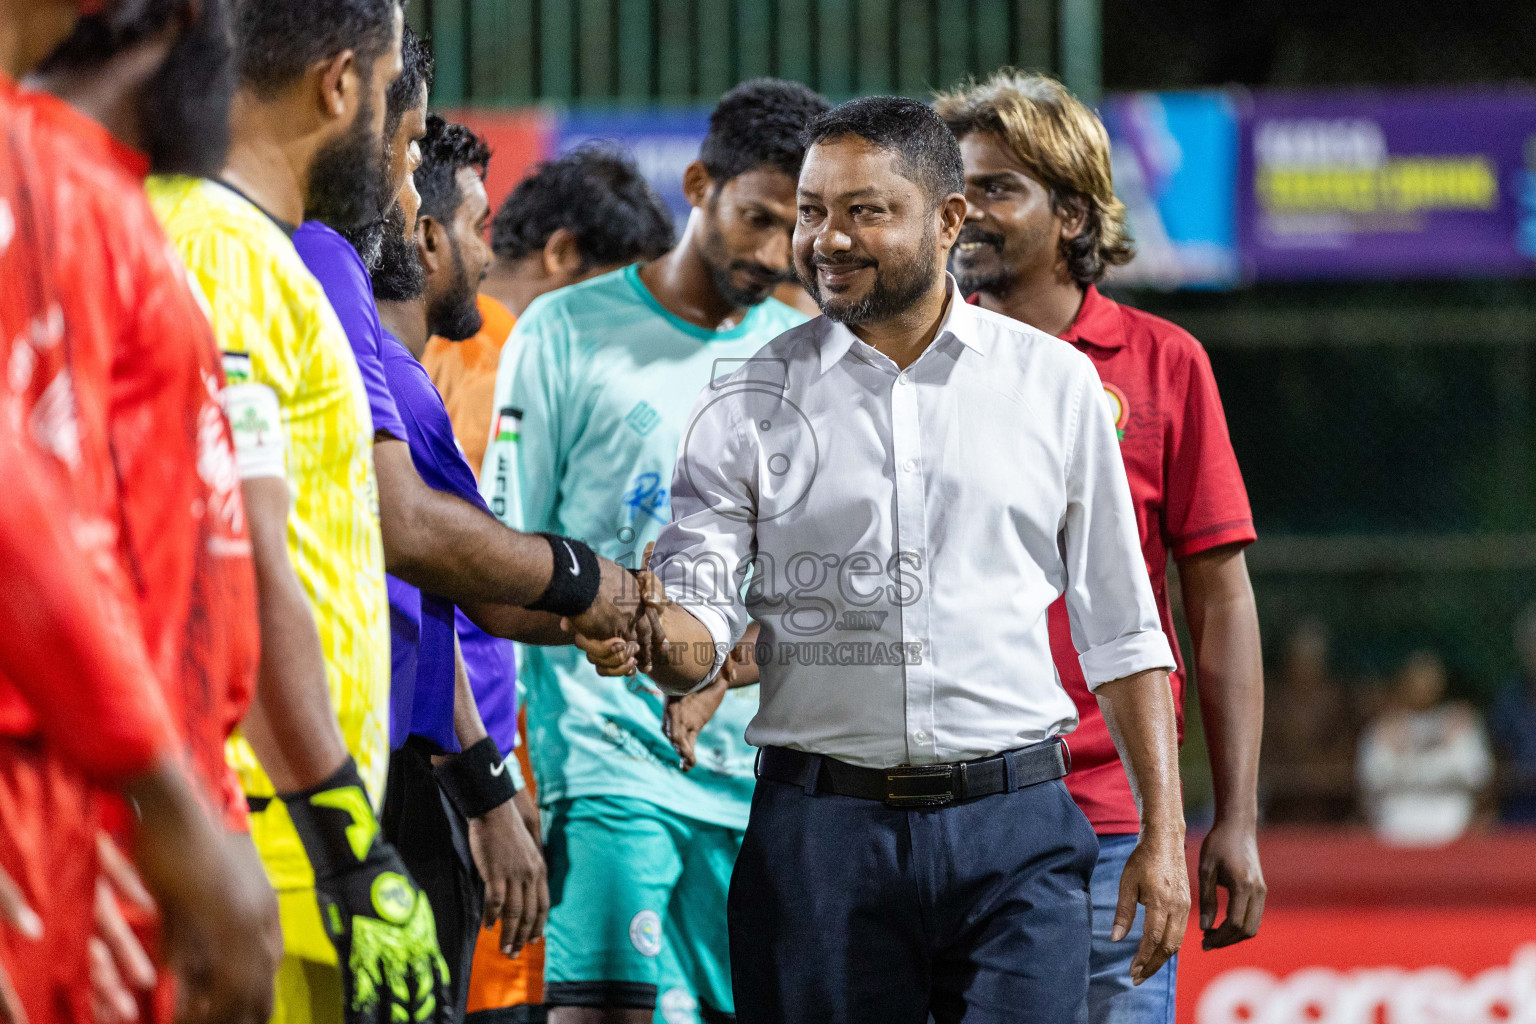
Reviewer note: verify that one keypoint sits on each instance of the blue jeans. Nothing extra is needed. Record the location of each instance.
(1111, 997)
(845, 911)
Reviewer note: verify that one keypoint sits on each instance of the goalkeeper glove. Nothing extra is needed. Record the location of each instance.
(379, 921)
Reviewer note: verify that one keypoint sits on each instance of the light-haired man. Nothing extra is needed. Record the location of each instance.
(1043, 227)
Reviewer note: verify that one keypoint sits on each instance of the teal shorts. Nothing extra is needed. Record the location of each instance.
(637, 910)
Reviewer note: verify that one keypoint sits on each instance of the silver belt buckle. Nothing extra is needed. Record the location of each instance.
(918, 786)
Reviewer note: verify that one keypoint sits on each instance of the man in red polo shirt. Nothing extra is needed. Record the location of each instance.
(1044, 226)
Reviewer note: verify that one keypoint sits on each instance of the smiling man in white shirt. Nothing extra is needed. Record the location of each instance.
(896, 492)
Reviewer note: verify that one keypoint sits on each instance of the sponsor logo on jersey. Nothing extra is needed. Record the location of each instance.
(643, 418)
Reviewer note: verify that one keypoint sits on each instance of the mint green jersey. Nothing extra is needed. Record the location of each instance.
(604, 378)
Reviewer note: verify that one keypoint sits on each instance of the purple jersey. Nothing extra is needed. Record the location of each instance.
(421, 626)
(488, 660)
(340, 271)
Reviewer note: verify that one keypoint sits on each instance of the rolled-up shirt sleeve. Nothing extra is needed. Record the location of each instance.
(1115, 626)
(702, 555)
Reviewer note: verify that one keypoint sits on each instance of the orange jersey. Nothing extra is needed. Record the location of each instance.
(465, 375)
(146, 354)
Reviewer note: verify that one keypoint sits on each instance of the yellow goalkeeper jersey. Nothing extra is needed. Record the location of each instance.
(281, 337)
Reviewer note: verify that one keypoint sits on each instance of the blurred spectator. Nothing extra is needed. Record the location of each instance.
(1424, 761)
(1309, 735)
(1513, 725)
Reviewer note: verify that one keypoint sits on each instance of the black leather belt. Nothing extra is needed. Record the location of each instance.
(916, 786)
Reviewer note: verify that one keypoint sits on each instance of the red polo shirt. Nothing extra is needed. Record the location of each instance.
(1189, 498)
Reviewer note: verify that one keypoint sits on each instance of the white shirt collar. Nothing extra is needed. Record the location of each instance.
(959, 320)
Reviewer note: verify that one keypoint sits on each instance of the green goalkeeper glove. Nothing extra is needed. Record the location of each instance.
(380, 922)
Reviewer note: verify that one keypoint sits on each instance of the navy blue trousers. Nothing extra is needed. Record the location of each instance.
(845, 911)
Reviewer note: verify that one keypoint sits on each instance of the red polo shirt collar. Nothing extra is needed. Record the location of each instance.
(1099, 322)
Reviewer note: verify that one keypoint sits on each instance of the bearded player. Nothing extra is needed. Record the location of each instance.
(1042, 229)
(306, 136)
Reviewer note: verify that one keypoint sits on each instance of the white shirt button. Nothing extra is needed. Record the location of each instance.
(920, 736)
(902, 378)
(909, 465)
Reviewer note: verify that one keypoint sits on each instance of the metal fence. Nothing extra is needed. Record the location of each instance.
(508, 52)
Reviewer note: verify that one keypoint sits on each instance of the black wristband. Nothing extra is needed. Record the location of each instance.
(326, 827)
(575, 581)
(477, 781)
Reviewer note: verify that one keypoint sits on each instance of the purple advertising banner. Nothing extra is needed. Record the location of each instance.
(1407, 183)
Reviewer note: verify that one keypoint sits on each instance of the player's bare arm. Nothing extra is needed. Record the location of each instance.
(443, 544)
(508, 859)
(1139, 712)
(291, 724)
(1229, 668)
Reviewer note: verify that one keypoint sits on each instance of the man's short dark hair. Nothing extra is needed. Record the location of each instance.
(279, 40)
(926, 151)
(418, 68)
(758, 124)
(447, 149)
(599, 196)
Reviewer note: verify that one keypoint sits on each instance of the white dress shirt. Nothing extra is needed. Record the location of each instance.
(899, 535)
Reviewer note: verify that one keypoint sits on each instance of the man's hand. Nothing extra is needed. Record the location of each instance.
(1155, 877)
(516, 886)
(615, 612)
(687, 716)
(119, 966)
(14, 913)
(215, 912)
(1229, 859)
(377, 918)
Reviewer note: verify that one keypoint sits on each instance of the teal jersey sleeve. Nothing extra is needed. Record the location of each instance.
(539, 393)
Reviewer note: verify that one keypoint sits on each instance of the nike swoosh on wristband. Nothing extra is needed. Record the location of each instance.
(575, 565)
(500, 769)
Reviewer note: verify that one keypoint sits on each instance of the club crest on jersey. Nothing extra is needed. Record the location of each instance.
(645, 933)
(1119, 409)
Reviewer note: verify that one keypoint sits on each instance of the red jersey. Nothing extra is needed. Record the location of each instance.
(1189, 498)
(146, 353)
(72, 668)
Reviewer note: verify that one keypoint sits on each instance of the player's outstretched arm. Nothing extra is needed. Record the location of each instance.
(1139, 712)
(1224, 626)
(443, 544)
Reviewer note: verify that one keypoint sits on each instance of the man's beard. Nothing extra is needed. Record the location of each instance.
(455, 314)
(398, 275)
(186, 108)
(347, 186)
(996, 279)
(896, 289)
(721, 267)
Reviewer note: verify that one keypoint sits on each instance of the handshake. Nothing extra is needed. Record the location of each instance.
(623, 632)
